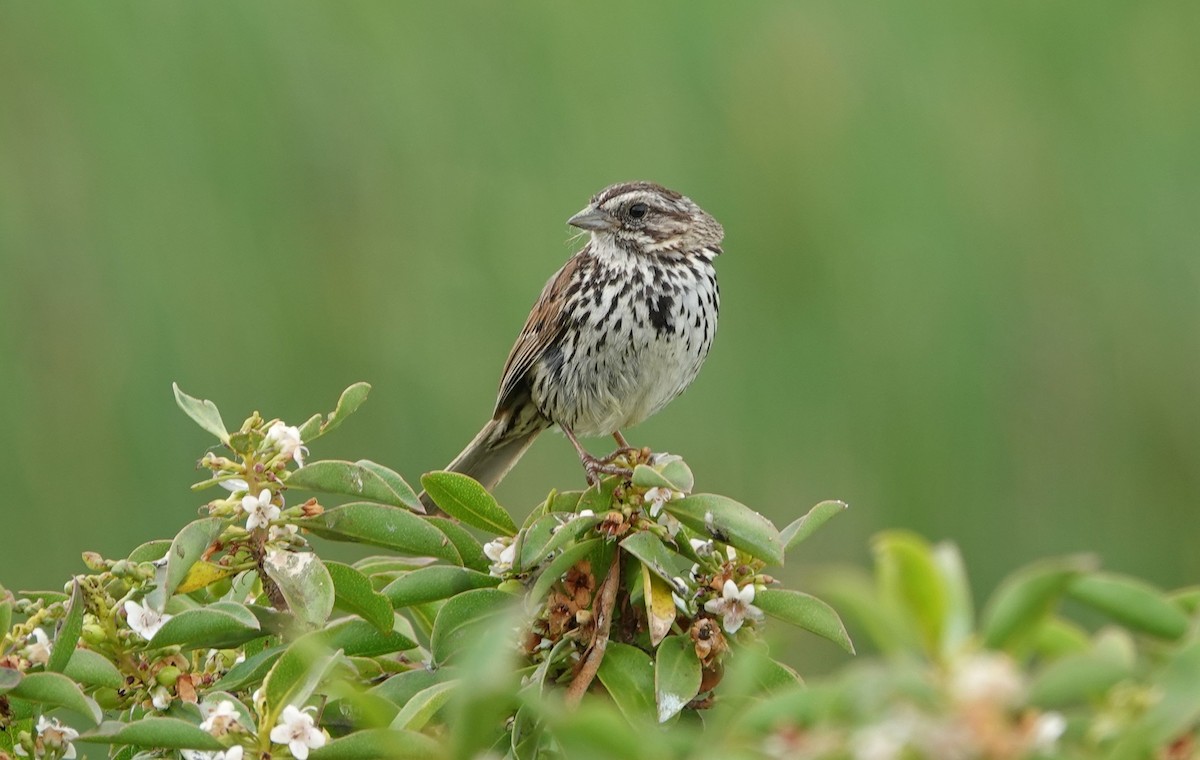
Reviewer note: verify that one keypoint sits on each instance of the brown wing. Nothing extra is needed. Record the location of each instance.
(542, 329)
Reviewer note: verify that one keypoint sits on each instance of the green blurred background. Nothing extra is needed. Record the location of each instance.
(960, 286)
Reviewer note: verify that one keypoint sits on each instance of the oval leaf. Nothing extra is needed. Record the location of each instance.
(68, 632)
(297, 674)
(353, 592)
(808, 612)
(350, 400)
(805, 526)
(1131, 602)
(358, 638)
(1025, 598)
(423, 705)
(158, 733)
(56, 690)
(654, 555)
(628, 675)
(468, 547)
(432, 583)
(389, 527)
(203, 412)
(304, 583)
(217, 626)
(90, 669)
(730, 522)
(462, 618)
(375, 743)
(464, 498)
(186, 549)
(676, 676)
(250, 671)
(363, 479)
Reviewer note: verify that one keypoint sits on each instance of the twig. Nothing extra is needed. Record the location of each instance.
(606, 600)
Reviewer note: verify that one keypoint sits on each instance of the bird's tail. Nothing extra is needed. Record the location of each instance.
(489, 456)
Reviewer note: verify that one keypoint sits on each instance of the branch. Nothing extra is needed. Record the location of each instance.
(605, 602)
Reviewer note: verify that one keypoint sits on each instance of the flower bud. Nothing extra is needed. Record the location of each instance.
(94, 635)
(167, 676)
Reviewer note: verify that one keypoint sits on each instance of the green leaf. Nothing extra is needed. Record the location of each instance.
(805, 526)
(959, 619)
(186, 549)
(1131, 602)
(558, 567)
(91, 669)
(676, 676)
(1025, 598)
(203, 413)
(910, 576)
(297, 674)
(358, 638)
(672, 473)
(1077, 678)
(531, 541)
(569, 532)
(353, 592)
(432, 583)
(250, 671)
(375, 743)
(350, 400)
(654, 555)
(6, 610)
(808, 612)
(462, 618)
(378, 525)
(56, 690)
(362, 479)
(423, 705)
(156, 733)
(68, 632)
(151, 551)
(402, 687)
(464, 498)
(217, 626)
(730, 522)
(467, 546)
(9, 678)
(1173, 713)
(304, 583)
(628, 675)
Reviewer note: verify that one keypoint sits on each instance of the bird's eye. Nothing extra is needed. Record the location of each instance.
(638, 210)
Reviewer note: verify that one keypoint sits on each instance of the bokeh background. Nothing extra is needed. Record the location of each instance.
(960, 286)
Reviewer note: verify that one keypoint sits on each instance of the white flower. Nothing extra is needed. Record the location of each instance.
(734, 605)
(234, 484)
(1046, 731)
(987, 677)
(287, 439)
(144, 621)
(658, 496)
(502, 552)
(160, 698)
(282, 532)
(38, 650)
(219, 718)
(298, 730)
(702, 547)
(260, 510)
(53, 737)
(731, 553)
(233, 753)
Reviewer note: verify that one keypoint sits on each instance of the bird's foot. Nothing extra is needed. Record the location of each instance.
(597, 466)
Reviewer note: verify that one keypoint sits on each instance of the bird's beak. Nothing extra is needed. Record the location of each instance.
(591, 219)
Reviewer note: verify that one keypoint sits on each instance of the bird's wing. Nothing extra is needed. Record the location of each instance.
(542, 329)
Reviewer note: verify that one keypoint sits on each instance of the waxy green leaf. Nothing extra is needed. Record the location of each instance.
(156, 733)
(56, 690)
(90, 669)
(350, 400)
(203, 412)
(1026, 597)
(730, 522)
(676, 675)
(186, 549)
(217, 626)
(68, 633)
(374, 743)
(808, 612)
(805, 526)
(305, 584)
(467, 546)
(378, 525)
(362, 479)
(353, 592)
(628, 676)
(464, 498)
(432, 583)
(1131, 602)
(423, 705)
(462, 619)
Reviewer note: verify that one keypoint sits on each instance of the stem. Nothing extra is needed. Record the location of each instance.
(605, 602)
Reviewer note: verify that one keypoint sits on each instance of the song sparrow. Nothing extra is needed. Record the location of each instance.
(616, 334)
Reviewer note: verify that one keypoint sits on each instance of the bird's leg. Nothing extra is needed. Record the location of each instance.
(623, 449)
(592, 465)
